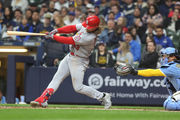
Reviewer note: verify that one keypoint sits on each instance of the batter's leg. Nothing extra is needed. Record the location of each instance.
(77, 69)
(62, 72)
(60, 75)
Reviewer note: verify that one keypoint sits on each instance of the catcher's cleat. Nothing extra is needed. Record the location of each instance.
(106, 101)
(39, 102)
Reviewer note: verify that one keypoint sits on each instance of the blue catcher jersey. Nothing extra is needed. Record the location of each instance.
(172, 72)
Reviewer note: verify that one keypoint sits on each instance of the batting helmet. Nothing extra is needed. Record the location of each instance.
(92, 22)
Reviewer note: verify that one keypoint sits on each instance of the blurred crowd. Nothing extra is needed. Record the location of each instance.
(132, 31)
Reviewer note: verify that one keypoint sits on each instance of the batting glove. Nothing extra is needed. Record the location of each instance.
(49, 36)
(53, 32)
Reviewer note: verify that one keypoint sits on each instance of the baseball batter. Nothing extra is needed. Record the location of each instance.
(76, 62)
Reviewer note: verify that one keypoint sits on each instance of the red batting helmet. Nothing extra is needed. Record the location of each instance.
(92, 22)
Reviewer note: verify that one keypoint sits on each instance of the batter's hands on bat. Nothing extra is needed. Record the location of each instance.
(49, 36)
(53, 32)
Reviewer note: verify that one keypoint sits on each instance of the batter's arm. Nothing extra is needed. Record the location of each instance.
(151, 72)
(67, 29)
(65, 40)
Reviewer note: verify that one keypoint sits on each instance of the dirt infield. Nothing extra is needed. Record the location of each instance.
(85, 108)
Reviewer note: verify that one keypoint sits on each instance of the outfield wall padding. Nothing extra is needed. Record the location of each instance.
(126, 90)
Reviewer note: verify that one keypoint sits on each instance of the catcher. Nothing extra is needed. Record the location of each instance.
(171, 71)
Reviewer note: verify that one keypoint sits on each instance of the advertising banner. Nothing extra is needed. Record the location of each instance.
(135, 90)
(126, 90)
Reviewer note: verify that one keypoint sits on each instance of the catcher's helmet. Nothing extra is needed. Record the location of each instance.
(92, 22)
(172, 52)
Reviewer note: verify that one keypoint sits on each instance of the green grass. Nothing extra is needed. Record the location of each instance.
(24, 112)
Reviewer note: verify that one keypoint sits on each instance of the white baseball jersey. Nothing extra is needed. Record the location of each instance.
(76, 64)
(84, 42)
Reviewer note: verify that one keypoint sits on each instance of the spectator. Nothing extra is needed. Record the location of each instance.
(136, 37)
(8, 16)
(83, 17)
(97, 11)
(78, 13)
(43, 11)
(103, 7)
(151, 2)
(142, 5)
(176, 6)
(121, 23)
(18, 17)
(58, 22)
(120, 30)
(150, 38)
(150, 59)
(135, 48)
(136, 14)
(61, 3)
(64, 13)
(46, 27)
(71, 8)
(5, 36)
(79, 4)
(51, 8)
(107, 35)
(102, 24)
(140, 27)
(90, 11)
(113, 2)
(88, 3)
(165, 8)
(26, 27)
(36, 22)
(71, 19)
(33, 7)
(19, 4)
(101, 58)
(110, 16)
(124, 55)
(161, 39)
(153, 16)
(128, 11)
(116, 10)
(53, 53)
(173, 22)
(56, 13)
(28, 15)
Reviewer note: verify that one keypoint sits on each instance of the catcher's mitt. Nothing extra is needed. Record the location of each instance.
(123, 69)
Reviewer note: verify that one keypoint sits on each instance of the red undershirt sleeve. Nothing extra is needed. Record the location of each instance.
(67, 29)
(65, 40)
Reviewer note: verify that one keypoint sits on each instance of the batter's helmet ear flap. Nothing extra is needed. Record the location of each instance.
(92, 22)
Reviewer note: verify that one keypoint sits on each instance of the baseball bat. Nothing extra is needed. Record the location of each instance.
(20, 33)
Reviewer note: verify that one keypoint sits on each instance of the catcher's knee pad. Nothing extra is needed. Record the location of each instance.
(170, 104)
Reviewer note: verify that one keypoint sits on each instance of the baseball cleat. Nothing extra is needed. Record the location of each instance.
(106, 101)
(37, 104)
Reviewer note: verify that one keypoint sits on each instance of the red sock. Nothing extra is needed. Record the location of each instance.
(47, 93)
